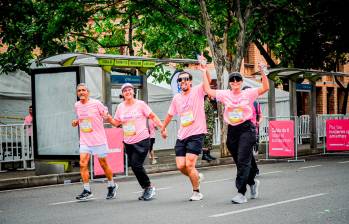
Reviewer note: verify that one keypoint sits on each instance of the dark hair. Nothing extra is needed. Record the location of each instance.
(246, 87)
(30, 107)
(184, 72)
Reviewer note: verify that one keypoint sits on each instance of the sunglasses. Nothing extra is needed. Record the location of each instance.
(183, 79)
(235, 79)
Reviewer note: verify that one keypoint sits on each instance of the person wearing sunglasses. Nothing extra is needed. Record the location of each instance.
(241, 136)
(189, 106)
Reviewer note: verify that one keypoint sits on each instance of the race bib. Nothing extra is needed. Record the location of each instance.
(235, 115)
(187, 118)
(129, 128)
(86, 125)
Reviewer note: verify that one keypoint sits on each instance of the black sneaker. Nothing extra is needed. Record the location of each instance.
(84, 195)
(112, 192)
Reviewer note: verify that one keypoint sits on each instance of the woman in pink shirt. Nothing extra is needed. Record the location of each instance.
(132, 114)
(238, 112)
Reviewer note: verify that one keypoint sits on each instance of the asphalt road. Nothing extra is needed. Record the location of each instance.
(316, 191)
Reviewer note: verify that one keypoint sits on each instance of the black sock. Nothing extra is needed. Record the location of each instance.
(197, 190)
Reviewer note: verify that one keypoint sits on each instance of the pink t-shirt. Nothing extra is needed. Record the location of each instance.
(28, 120)
(91, 122)
(134, 120)
(191, 110)
(237, 108)
(152, 127)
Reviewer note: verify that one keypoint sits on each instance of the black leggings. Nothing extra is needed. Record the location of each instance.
(136, 154)
(240, 141)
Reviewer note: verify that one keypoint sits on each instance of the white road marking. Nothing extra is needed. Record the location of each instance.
(214, 181)
(307, 167)
(344, 162)
(266, 206)
(157, 189)
(272, 172)
(74, 201)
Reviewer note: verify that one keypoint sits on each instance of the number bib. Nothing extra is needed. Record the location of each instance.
(129, 128)
(86, 125)
(235, 115)
(187, 118)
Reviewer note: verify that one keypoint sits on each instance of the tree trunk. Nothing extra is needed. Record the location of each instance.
(219, 63)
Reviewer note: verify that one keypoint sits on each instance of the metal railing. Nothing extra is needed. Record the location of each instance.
(303, 127)
(16, 146)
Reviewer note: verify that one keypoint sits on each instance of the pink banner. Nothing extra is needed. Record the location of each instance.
(281, 138)
(337, 135)
(116, 152)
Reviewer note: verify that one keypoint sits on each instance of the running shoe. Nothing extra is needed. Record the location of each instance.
(255, 189)
(84, 195)
(112, 192)
(196, 196)
(149, 193)
(239, 199)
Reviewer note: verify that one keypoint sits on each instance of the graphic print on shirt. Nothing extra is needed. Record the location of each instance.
(129, 122)
(238, 111)
(85, 121)
(186, 115)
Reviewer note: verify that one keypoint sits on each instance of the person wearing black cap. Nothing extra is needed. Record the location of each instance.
(241, 135)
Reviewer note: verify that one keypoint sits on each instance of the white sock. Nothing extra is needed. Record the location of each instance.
(111, 183)
(87, 187)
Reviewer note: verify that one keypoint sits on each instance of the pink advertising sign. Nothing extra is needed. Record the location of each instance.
(116, 155)
(337, 135)
(281, 138)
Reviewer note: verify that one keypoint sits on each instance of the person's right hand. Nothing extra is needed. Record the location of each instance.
(202, 62)
(164, 133)
(75, 123)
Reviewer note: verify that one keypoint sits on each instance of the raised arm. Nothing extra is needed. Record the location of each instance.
(206, 81)
(265, 83)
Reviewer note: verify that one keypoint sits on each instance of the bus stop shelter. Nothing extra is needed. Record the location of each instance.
(294, 76)
(54, 81)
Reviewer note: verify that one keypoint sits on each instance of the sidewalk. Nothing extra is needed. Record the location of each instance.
(13, 179)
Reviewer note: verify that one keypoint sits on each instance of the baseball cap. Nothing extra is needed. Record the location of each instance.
(235, 75)
(126, 85)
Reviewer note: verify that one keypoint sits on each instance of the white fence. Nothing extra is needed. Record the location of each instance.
(303, 128)
(16, 146)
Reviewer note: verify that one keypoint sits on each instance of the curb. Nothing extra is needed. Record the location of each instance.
(52, 179)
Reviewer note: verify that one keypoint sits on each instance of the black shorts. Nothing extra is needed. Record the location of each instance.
(193, 144)
(152, 141)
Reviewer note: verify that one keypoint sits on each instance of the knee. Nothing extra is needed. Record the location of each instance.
(181, 167)
(83, 164)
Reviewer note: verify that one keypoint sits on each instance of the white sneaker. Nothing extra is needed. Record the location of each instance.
(154, 161)
(255, 189)
(197, 196)
(239, 199)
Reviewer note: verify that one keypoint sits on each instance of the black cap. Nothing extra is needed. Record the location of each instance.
(235, 74)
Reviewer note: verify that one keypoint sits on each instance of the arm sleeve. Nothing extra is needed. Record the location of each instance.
(145, 109)
(172, 110)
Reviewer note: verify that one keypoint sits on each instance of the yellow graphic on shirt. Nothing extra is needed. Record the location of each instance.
(86, 125)
(235, 115)
(129, 128)
(187, 118)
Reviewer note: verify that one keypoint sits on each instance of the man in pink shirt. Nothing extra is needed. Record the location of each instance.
(90, 119)
(28, 122)
(238, 112)
(189, 105)
(132, 114)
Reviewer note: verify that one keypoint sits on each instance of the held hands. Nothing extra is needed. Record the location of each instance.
(75, 123)
(163, 133)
